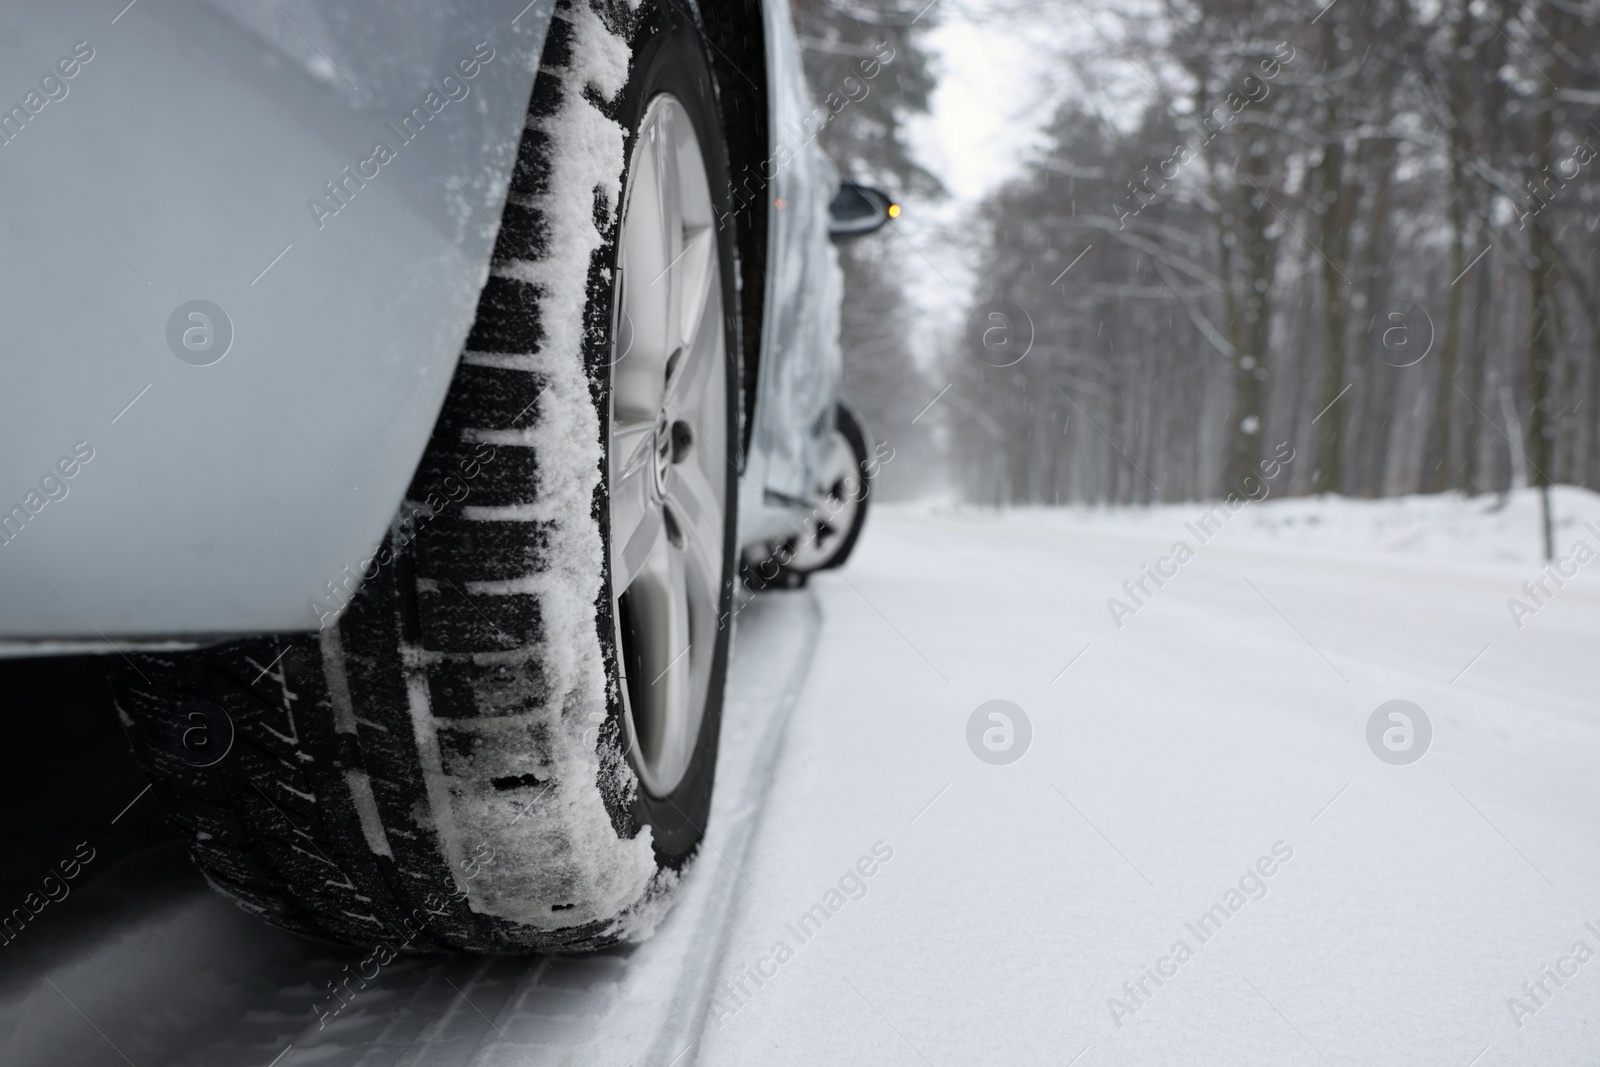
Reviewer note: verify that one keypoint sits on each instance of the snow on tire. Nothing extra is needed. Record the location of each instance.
(444, 765)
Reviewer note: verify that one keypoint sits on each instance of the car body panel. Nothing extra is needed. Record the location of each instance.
(801, 364)
(183, 164)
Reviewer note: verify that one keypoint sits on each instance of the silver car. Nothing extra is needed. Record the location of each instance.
(408, 396)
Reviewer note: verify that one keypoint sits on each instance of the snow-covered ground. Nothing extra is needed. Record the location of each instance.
(1224, 724)
(1198, 858)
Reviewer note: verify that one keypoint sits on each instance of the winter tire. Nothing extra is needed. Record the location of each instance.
(505, 740)
(833, 527)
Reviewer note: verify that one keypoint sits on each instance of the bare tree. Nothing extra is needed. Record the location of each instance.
(1368, 234)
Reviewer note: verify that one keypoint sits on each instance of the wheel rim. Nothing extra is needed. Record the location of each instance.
(667, 446)
(830, 522)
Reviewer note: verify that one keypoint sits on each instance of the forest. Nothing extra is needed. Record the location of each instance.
(1365, 230)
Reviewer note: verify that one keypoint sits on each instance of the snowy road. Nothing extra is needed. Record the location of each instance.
(876, 893)
(1228, 715)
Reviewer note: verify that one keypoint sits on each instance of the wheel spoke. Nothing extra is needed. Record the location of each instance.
(672, 680)
(687, 395)
(658, 606)
(666, 281)
(630, 494)
(643, 541)
(697, 235)
(631, 443)
(694, 503)
(694, 282)
(637, 377)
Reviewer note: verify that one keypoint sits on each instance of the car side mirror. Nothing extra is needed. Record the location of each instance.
(859, 209)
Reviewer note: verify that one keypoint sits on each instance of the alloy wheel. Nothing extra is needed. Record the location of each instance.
(667, 446)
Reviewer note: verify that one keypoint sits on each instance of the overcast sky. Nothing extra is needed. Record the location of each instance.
(1001, 73)
(994, 92)
(996, 88)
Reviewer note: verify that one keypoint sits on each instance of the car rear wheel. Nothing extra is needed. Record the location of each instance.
(828, 534)
(505, 740)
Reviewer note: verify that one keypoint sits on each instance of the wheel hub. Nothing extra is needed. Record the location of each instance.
(661, 455)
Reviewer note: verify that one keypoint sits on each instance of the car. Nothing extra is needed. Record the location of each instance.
(404, 400)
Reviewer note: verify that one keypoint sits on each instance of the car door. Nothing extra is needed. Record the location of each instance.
(801, 364)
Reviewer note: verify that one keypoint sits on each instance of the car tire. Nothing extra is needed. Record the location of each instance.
(452, 762)
(827, 536)
(848, 482)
